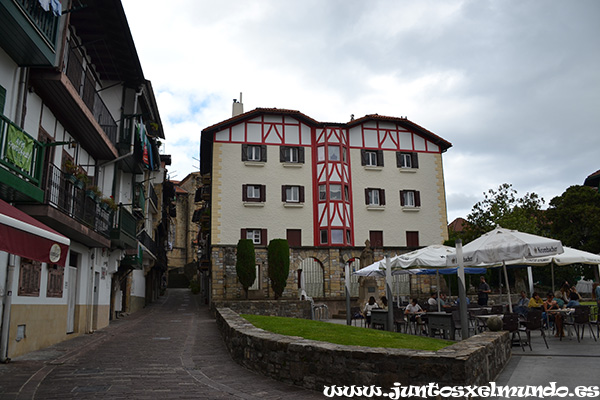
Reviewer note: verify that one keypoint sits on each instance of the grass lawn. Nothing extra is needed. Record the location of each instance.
(344, 334)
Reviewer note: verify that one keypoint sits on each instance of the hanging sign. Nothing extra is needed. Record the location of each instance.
(19, 149)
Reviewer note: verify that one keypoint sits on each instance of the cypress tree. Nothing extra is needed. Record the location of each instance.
(278, 255)
(245, 265)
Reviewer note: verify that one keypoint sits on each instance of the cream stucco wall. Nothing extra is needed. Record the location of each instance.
(392, 219)
(229, 212)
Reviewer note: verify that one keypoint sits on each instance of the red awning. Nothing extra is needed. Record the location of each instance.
(25, 236)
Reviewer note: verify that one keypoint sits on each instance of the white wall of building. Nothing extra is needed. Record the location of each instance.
(392, 219)
(138, 283)
(230, 214)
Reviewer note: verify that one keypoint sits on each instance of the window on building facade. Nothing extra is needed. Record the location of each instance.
(294, 237)
(255, 153)
(292, 194)
(56, 277)
(337, 236)
(322, 192)
(371, 158)
(253, 193)
(324, 236)
(30, 274)
(412, 239)
(346, 193)
(407, 160)
(321, 153)
(333, 153)
(376, 238)
(289, 154)
(410, 198)
(258, 236)
(374, 197)
(335, 192)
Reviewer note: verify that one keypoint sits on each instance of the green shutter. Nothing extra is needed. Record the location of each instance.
(2, 99)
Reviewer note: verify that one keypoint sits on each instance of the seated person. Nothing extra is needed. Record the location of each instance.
(558, 299)
(384, 302)
(549, 305)
(536, 301)
(457, 302)
(371, 304)
(415, 311)
(433, 301)
(574, 298)
(523, 304)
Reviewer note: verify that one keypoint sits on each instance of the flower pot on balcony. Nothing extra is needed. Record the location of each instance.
(91, 194)
(78, 184)
(104, 205)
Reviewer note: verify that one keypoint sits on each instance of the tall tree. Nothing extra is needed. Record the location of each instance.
(278, 255)
(502, 207)
(574, 218)
(245, 264)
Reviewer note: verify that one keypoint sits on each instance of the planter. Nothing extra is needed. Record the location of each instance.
(91, 194)
(104, 206)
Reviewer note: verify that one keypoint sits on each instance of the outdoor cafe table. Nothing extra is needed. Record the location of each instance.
(441, 320)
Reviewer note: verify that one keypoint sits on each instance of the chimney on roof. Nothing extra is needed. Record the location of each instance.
(238, 107)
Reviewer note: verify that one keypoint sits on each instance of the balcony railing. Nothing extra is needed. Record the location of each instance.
(123, 233)
(63, 192)
(148, 242)
(45, 21)
(83, 80)
(139, 199)
(153, 196)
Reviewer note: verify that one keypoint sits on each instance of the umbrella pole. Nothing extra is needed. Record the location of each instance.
(462, 293)
(438, 290)
(388, 287)
(552, 269)
(348, 316)
(510, 309)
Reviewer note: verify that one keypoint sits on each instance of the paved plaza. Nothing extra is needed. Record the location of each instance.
(172, 349)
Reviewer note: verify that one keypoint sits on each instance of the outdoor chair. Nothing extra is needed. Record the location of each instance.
(581, 318)
(478, 324)
(594, 319)
(357, 316)
(510, 323)
(400, 320)
(456, 319)
(497, 309)
(533, 323)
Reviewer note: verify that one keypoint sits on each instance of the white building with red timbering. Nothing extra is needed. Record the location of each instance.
(325, 187)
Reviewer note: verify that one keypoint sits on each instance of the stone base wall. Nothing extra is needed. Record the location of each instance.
(276, 308)
(314, 365)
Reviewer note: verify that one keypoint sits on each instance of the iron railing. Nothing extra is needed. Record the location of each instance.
(148, 242)
(153, 197)
(64, 192)
(45, 21)
(84, 81)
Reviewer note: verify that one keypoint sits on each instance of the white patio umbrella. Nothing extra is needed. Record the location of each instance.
(567, 257)
(503, 245)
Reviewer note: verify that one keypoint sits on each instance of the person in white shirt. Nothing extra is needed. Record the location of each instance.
(414, 310)
(371, 304)
(433, 300)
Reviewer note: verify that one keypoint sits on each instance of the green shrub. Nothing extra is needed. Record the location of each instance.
(279, 265)
(195, 287)
(245, 265)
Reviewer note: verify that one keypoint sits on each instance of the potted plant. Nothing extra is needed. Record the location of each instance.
(93, 192)
(70, 170)
(82, 180)
(109, 203)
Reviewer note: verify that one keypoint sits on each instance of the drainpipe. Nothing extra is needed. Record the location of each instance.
(6, 315)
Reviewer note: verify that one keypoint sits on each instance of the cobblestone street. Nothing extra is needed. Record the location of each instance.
(172, 349)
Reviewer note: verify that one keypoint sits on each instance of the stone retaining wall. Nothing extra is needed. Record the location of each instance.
(314, 365)
(279, 308)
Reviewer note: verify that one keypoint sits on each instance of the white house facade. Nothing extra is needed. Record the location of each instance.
(325, 187)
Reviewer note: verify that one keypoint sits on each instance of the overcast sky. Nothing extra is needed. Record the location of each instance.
(514, 85)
